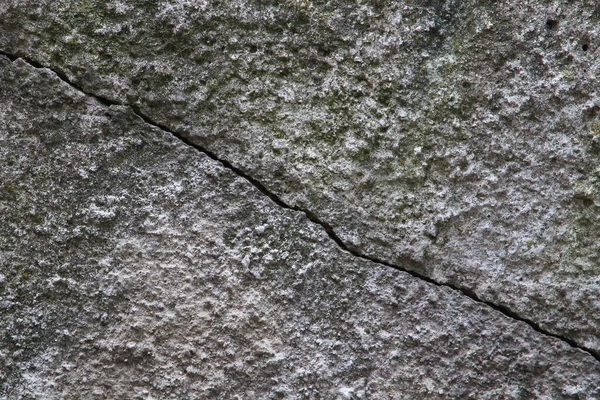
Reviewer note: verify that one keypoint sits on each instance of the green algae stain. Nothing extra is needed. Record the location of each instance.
(9, 188)
(583, 236)
(595, 127)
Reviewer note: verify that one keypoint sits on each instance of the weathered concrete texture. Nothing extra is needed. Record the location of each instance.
(460, 135)
(134, 266)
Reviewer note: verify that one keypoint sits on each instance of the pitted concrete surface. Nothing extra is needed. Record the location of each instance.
(454, 139)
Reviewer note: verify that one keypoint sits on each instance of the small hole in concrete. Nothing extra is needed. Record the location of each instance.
(551, 23)
(253, 48)
(588, 202)
(585, 47)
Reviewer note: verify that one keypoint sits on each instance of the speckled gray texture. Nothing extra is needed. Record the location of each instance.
(135, 267)
(459, 138)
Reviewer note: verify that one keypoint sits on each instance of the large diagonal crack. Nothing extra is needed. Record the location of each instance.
(309, 214)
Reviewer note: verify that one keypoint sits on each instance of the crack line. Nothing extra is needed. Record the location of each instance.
(507, 312)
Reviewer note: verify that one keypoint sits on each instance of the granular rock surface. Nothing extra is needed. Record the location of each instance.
(136, 267)
(456, 139)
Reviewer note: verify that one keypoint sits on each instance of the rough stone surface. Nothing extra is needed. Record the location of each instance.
(460, 138)
(133, 266)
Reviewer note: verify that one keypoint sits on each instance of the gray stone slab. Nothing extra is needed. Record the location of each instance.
(134, 266)
(456, 138)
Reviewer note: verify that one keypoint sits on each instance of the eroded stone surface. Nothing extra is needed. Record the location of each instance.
(134, 266)
(459, 134)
